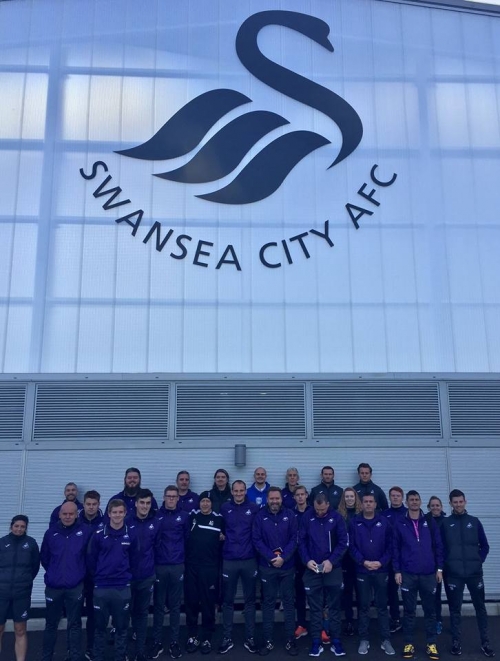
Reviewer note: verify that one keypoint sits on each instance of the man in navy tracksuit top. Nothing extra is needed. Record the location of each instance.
(322, 544)
(239, 562)
(70, 496)
(327, 486)
(396, 509)
(418, 566)
(188, 500)
(143, 529)
(300, 509)
(92, 517)
(365, 485)
(465, 550)
(370, 545)
(109, 563)
(63, 556)
(169, 564)
(274, 537)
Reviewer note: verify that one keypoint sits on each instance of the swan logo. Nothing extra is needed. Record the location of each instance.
(226, 149)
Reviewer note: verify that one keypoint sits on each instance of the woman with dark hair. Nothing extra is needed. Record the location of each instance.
(19, 565)
(220, 492)
(435, 507)
(349, 506)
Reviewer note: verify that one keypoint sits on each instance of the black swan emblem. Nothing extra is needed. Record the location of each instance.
(267, 170)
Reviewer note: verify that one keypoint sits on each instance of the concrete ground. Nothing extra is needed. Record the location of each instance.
(470, 642)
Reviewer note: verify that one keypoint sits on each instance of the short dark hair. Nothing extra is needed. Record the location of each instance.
(171, 487)
(412, 492)
(183, 472)
(116, 502)
(327, 468)
(274, 489)
(300, 486)
(239, 482)
(95, 495)
(132, 469)
(321, 499)
(368, 495)
(20, 517)
(456, 493)
(365, 466)
(144, 493)
(71, 484)
(434, 498)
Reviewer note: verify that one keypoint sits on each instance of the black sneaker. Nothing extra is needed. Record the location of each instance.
(206, 647)
(249, 645)
(408, 651)
(291, 647)
(395, 625)
(486, 650)
(349, 629)
(140, 657)
(266, 648)
(89, 655)
(155, 651)
(456, 648)
(226, 645)
(174, 650)
(192, 645)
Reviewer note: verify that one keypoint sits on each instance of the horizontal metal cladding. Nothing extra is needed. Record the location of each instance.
(474, 408)
(376, 408)
(77, 411)
(12, 402)
(240, 410)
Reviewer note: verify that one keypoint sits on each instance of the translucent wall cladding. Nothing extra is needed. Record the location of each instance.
(246, 258)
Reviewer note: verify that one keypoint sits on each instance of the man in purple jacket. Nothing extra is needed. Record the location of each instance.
(322, 543)
(131, 486)
(70, 496)
(169, 560)
(239, 562)
(109, 563)
(188, 500)
(62, 556)
(370, 545)
(396, 509)
(418, 565)
(274, 537)
(143, 529)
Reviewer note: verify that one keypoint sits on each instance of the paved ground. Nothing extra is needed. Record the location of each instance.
(470, 644)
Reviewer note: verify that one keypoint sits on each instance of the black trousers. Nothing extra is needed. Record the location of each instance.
(317, 586)
(393, 595)
(141, 593)
(349, 577)
(300, 595)
(274, 582)
(114, 602)
(70, 599)
(232, 571)
(200, 594)
(168, 589)
(374, 584)
(412, 585)
(455, 592)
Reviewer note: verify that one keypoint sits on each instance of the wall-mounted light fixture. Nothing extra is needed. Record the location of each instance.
(240, 455)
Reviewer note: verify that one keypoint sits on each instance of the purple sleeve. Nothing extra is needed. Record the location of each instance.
(45, 552)
(291, 545)
(387, 555)
(258, 542)
(396, 555)
(303, 548)
(341, 543)
(356, 554)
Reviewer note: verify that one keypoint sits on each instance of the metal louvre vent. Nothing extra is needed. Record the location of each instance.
(77, 411)
(375, 408)
(474, 408)
(12, 399)
(240, 409)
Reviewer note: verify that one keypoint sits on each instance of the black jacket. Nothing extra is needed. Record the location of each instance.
(372, 488)
(465, 545)
(333, 492)
(19, 565)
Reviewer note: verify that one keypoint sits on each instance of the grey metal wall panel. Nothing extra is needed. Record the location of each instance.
(12, 402)
(474, 408)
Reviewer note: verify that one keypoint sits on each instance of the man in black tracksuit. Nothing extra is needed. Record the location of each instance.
(19, 565)
(327, 486)
(201, 578)
(365, 486)
(465, 550)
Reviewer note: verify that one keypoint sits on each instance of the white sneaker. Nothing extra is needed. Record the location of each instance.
(387, 647)
(364, 646)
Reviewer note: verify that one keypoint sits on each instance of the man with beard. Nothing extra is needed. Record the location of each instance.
(220, 492)
(132, 484)
(19, 565)
(201, 581)
(188, 500)
(63, 556)
(70, 496)
(274, 536)
(328, 487)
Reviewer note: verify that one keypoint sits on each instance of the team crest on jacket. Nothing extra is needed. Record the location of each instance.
(210, 523)
(179, 518)
(152, 527)
(469, 525)
(285, 518)
(425, 525)
(378, 525)
(330, 520)
(26, 546)
(248, 512)
(79, 533)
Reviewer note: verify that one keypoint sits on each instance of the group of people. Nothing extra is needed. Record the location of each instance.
(321, 547)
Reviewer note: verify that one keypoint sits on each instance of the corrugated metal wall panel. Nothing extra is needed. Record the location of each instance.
(240, 409)
(376, 408)
(12, 402)
(474, 408)
(79, 411)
